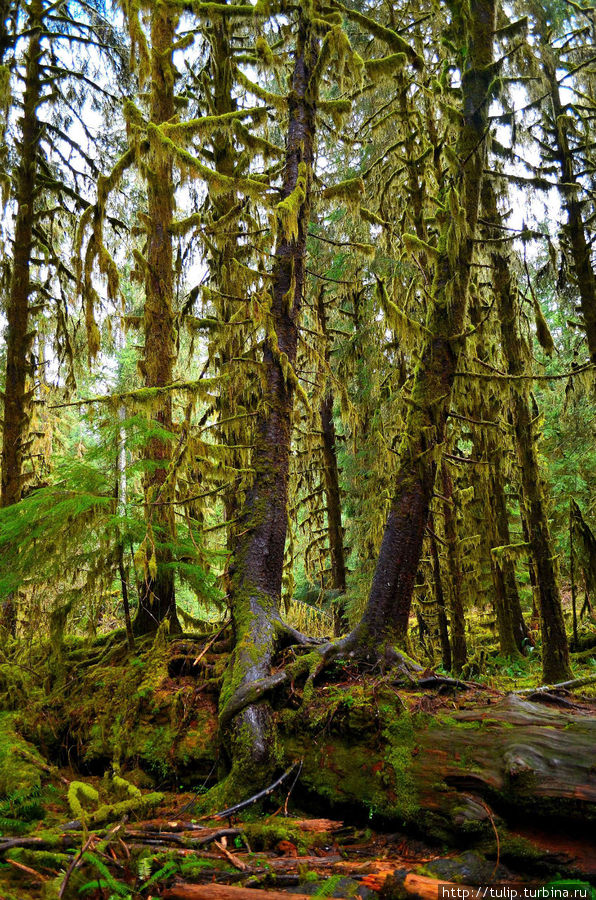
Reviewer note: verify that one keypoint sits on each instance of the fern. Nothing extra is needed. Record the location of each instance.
(328, 886)
(107, 880)
(170, 868)
(20, 808)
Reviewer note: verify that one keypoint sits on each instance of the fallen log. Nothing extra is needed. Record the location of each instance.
(416, 885)
(453, 771)
(227, 892)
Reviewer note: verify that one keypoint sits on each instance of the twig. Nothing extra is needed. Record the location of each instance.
(74, 863)
(487, 377)
(32, 872)
(210, 644)
(293, 786)
(232, 810)
(492, 822)
(237, 863)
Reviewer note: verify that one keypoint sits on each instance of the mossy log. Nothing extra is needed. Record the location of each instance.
(449, 774)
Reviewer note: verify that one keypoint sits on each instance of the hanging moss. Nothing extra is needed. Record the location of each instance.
(339, 110)
(288, 211)
(414, 244)
(218, 183)
(387, 35)
(545, 338)
(278, 101)
(369, 216)
(183, 132)
(349, 191)
(385, 66)
(264, 51)
(511, 551)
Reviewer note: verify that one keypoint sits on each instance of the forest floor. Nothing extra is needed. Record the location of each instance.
(403, 786)
(172, 856)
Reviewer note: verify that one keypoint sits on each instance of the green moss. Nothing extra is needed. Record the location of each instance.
(77, 792)
(266, 836)
(18, 770)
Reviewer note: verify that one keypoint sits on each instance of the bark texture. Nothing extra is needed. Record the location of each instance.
(440, 598)
(19, 337)
(509, 759)
(332, 490)
(459, 650)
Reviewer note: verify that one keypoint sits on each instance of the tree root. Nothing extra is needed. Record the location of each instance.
(311, 666)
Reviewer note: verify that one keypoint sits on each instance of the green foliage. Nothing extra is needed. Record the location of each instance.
(19, 809)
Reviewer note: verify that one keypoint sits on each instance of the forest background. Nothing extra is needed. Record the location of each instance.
(300, 334)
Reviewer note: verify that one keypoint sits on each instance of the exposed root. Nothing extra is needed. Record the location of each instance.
(311, 665)
(290, 637)
(250, 693)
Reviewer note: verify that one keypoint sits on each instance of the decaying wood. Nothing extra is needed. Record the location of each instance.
(231, 857)
(462, 763)
(29, 871)
(430, 889)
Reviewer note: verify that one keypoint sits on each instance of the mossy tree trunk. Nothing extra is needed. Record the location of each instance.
(19, 337)
(576, 231)
(257, 564)
(386, 616)
(514, 631)
(158, 600)
(490, 485)
(555, 651)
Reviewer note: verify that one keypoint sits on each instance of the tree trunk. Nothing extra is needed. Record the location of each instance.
(158, 600)
(440, 598)
(571, 199)
(531, 566)
(257, 565)
(459, 651)
(555, 652)
(387, 612)
(225, 249)
(332, 491)
(18, 336)
(514, 619)
(491, 485)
